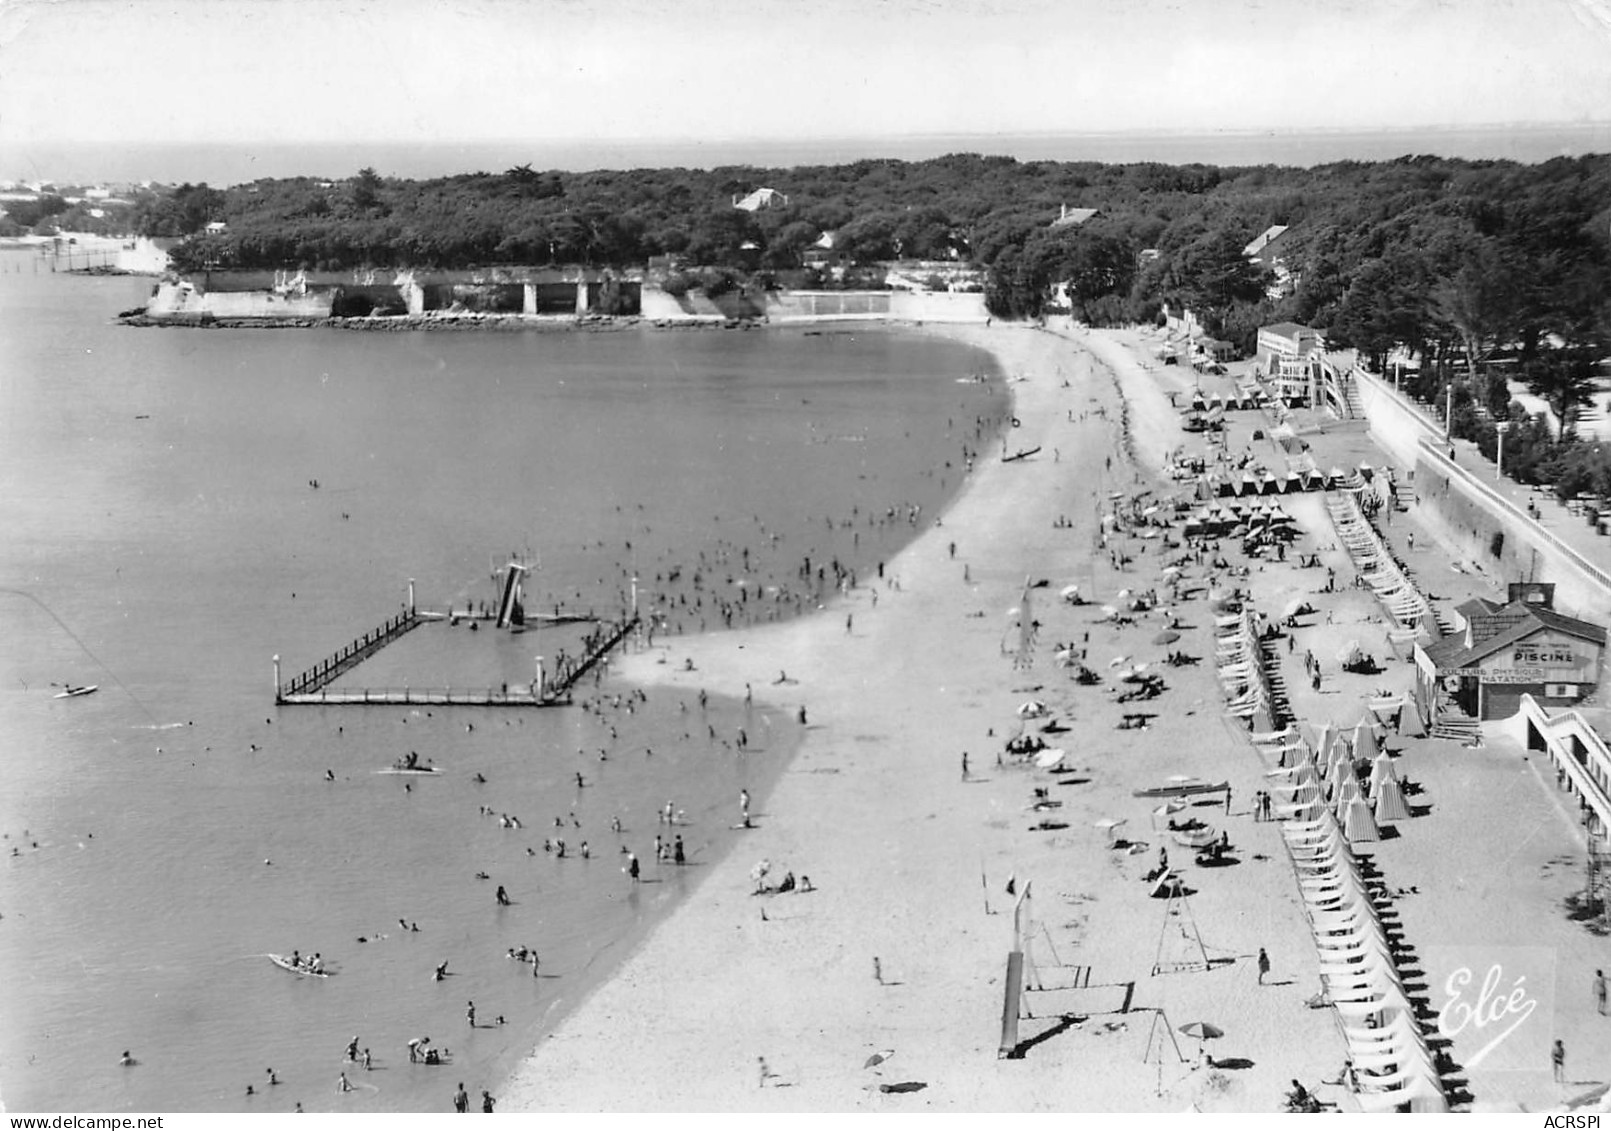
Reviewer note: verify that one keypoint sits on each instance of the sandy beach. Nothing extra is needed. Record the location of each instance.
(882, 989)
(902, 948)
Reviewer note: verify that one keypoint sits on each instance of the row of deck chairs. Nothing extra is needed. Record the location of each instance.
(1358, 968)
(1375, 564)
(1240, 663)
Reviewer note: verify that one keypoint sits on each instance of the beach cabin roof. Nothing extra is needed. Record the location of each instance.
(1517, 622)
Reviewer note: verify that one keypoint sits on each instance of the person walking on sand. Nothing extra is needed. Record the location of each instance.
(1264, 965)
(964, 765)
(878, 970)
(849, 620)
(1599, 991)
(469, 1013)
(461, 1099)
(1557, 1059)
(487, 1101)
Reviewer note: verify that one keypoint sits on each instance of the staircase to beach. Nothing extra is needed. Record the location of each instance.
(1456, 726)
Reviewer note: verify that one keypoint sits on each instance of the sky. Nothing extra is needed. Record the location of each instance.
(331, 71)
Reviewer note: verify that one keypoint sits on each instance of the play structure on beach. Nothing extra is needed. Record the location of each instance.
(314, 686)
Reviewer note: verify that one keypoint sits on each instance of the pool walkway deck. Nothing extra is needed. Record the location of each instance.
(313, 686)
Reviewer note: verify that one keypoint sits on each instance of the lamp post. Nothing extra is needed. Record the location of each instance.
(1448, 413)
(1499, 463)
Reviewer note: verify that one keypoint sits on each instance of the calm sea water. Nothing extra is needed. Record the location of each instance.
(162, 539)
(225, 164)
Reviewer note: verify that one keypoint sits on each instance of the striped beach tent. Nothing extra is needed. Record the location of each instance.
(1296, 754)
(1359, 826)
(1390, 801)
(1348, 790)
(1365, 745)
(1381, 768)
(1323, 740)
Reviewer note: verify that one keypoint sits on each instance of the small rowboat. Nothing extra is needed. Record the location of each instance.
(412, 770)
(71, 692)
(1186, 788)
(285, 963)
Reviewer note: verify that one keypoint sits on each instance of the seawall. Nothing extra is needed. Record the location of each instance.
(182, 304)
(1482, 525)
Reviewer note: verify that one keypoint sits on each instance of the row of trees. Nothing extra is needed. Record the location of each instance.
(1465, 264)
(1435, 255)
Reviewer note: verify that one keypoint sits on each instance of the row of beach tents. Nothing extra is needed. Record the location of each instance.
(1214, 519)
(1394, 1066)
(1263, 481)
(1327, 777)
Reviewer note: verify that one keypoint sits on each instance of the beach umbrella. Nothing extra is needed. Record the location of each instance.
(1168, 636)
(759, 871)
(1069, 592)
(1202, 1031)
(1359, 825)
(1117, 660)
(1031, 709)
(1109, 611)
(1046, 759)
(1390, 802)
(1164, 811)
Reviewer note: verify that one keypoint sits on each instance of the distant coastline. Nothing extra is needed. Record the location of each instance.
(236, 163)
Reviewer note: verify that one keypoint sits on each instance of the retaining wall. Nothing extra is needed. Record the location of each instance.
(1466, 513)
